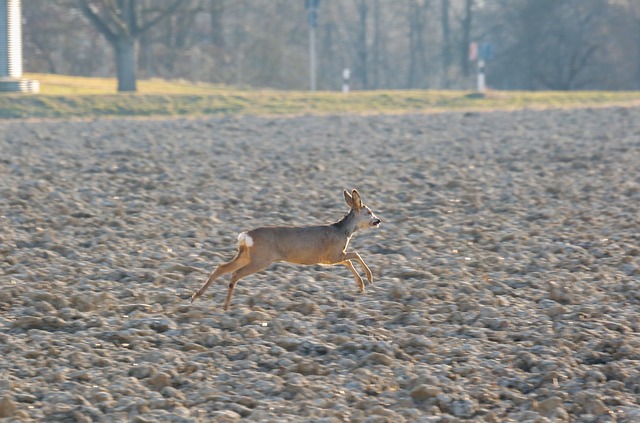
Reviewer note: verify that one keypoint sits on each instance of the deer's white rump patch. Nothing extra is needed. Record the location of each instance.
(244, 238)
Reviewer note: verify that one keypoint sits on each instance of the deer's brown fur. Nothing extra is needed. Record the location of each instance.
(323, 244)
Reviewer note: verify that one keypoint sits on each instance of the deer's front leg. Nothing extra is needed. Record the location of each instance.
(355, 273)
(356, 256)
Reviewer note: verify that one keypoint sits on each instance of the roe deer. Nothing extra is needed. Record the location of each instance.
(325, 244)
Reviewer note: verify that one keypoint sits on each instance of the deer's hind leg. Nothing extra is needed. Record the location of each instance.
(252, 267)
(240, 260)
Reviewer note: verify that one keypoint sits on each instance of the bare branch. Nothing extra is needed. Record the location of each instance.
(96, 21)
(160, 17)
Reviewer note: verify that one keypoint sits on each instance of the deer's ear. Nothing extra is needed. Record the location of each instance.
(357, 200)
(348, 199)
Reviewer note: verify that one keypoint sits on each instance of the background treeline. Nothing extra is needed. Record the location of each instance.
(387, 44)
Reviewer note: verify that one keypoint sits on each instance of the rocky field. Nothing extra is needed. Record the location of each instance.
(506, 269)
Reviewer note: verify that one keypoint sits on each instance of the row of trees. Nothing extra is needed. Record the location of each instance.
(387, 44)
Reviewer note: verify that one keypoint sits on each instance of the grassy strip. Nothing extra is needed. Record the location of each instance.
(75, 97)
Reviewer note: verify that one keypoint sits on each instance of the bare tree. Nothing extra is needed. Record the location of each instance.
(417, 44)
(632, 9)
(377, 45)
(216, 12)
(361, 48)
(446, 41)
(538, 44)
(122, 22)
(163, 46)
(57, 39)
(467, 20)
(564, 67)
(551, 44)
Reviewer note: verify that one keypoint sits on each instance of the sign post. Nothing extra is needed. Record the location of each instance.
(481, 53)
(481, 78)
(346, 74)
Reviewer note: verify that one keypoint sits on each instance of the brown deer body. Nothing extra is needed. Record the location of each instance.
(324, 244)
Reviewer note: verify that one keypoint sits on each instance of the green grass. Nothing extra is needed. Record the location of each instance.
(78, 97)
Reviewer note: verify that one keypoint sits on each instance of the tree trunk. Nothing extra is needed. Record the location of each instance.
(466, 38)
(411, 76)
(362, 45)
(119, 22)
(330, 70)
(216, 10)
(377, 47)
(417, 77)
(636, 84)
(145, 56)
(125, 63)
(446, 42)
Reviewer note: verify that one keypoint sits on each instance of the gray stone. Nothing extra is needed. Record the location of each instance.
(423, 392)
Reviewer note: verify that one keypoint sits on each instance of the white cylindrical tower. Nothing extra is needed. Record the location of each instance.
(11, 49)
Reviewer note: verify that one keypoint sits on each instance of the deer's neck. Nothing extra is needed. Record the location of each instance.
(346, 225)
